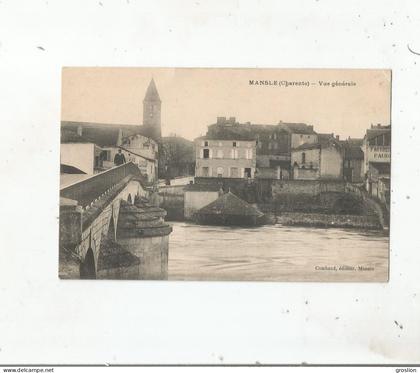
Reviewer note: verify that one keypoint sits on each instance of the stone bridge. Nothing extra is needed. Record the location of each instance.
(109, 229)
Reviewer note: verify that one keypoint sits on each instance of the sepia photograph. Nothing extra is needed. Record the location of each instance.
(225, 174)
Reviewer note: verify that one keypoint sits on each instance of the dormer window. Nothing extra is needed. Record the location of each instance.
(206, 143)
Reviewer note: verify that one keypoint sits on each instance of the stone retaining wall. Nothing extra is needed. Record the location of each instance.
(327, 220)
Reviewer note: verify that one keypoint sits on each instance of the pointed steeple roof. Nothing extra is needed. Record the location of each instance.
(152, 92)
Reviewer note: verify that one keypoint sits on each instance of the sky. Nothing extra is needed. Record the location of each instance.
(192, 98)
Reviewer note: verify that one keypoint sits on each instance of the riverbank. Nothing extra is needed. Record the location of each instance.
(364, 222)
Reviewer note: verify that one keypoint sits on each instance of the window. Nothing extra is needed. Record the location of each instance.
(219, 153)
(206, 153)
(311, 166)
(219, 171)
(206, 143)
(106, 155)
(234, 172)
(248, 154)
(275, 136)
(235, 154)
(234, 144)
(205, 172)
(303, 158)
(247, 172)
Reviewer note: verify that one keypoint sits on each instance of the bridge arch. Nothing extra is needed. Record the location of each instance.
(87, 267)
(112, 234)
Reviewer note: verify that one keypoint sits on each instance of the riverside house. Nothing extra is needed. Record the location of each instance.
(320, 160)
(225, 155)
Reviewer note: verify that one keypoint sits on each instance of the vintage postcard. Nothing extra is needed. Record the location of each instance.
(225, 174)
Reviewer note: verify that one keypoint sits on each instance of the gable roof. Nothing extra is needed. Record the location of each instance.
(298, 128)
(230, 204)
(325, 140)
(353, 152)
(352, 148)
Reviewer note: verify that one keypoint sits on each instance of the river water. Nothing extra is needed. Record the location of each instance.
(276, 253)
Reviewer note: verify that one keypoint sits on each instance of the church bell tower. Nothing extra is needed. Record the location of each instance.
(151, 112)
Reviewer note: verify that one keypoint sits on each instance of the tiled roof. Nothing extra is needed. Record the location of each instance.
(307, 146)
(374, 132)
(67, 169)
(228, 135)
(353, 152)
(354, 142)
(325, 140)
(230, 204)
(102, 134)
(352, 148)
(299, 128)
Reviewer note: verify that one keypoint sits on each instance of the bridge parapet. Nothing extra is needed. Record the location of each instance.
(87, 191)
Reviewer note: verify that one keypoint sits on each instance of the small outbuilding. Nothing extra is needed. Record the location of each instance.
(229, 209)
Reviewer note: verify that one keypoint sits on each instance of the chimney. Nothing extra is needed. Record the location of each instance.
(232, 120)
(79, 130)
(221, 120)
(337, 137)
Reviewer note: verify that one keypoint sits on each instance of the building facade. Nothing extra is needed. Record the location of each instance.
(85, 157)
(225, 156)
(274, 143)
(320, 160)
(377, 162)
(353, 160)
